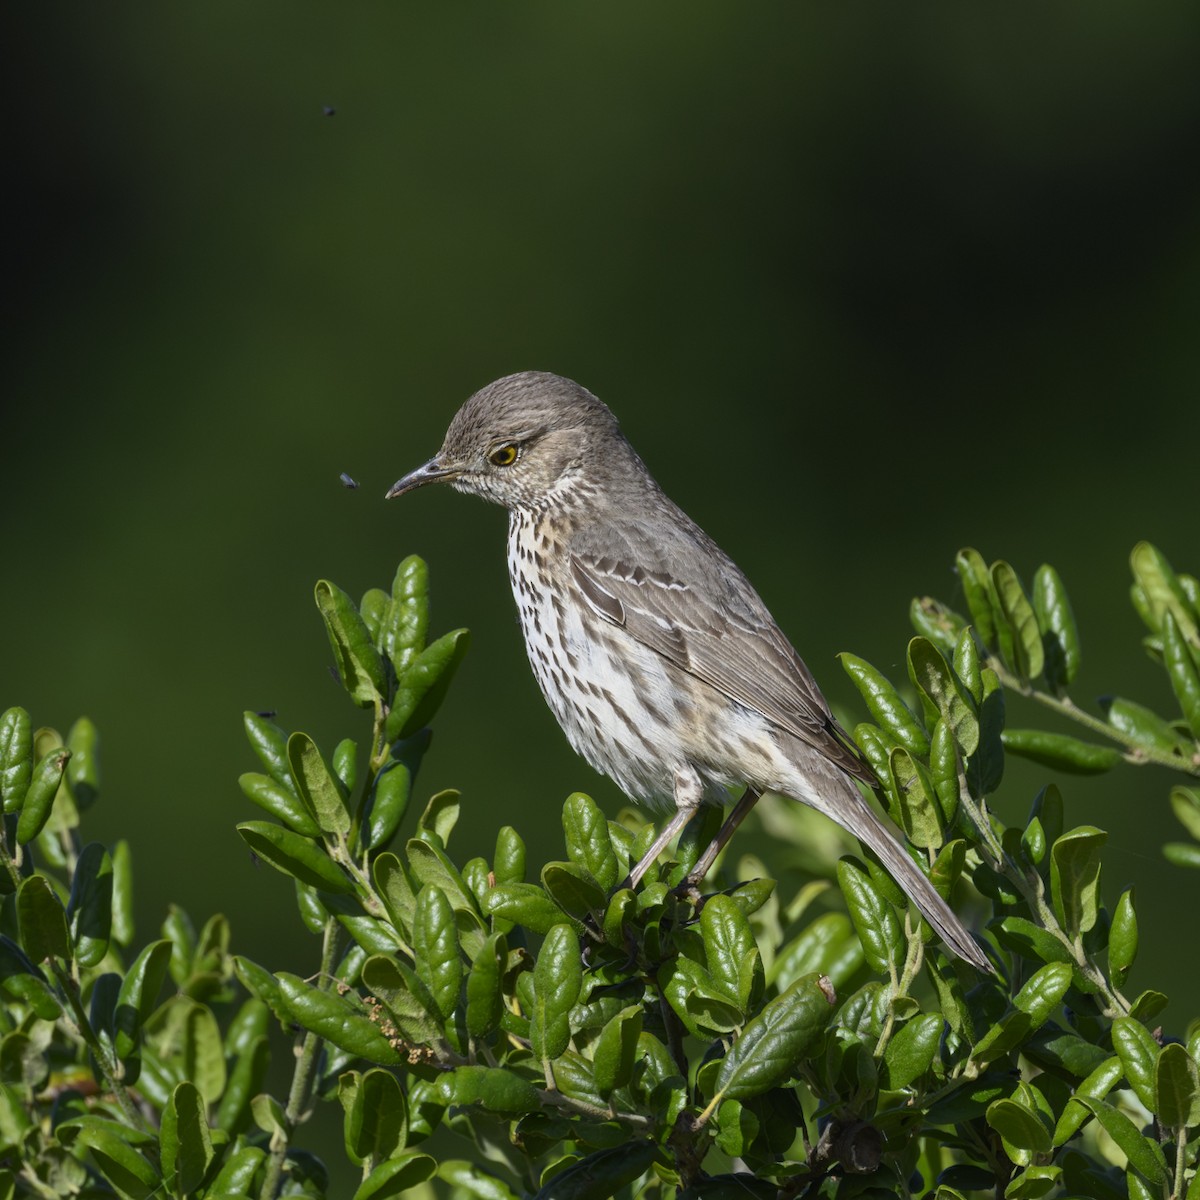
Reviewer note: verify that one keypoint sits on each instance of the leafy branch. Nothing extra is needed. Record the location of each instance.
(587, 1039)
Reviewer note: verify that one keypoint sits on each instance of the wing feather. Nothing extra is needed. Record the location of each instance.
(712, 625)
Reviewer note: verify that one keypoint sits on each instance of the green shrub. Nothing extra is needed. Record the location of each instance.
(584, 1040)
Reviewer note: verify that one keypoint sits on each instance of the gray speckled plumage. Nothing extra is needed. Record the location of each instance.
(660, 661)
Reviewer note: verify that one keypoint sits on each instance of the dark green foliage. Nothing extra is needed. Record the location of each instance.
(590, 1041)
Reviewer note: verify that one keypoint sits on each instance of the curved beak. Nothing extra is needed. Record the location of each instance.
(430, 472)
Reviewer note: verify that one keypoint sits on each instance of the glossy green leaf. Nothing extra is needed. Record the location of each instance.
(772, 1045)
(397, 1177)
(394, 887)
(294, 855)
(1185, 803)
(1138, 1052)
(589, 845)
(1056, 621)
(968, 665)
(485, 999)
(1060, 751)
(236, 1175)
(1163, 591)
(345, 764)
(572, 1076)
(270, 744)
(572, 888)
(875, 920)
(1028, 657)
(497, 1089)
(1096, 1086)
(16, 758)
(1043, 992)
(885, 705)
(376, 1115)
(524, 904)
(39, 796)
(1147, 1004)
(246, 1079)
(279, 801)
(269, 1116)
(1033, 1183)
(932, 619)
(423, 685)
(440, 816)
(1004, 1036)
(920, 812)
(729, 948)
(600, 1175)
(1033, 842)
(333, 1018)
(948, 867)
(89, 910)
(138, 996)
(615, 1053)
(373, 935)
(508, 863)
(980, 595)
(933, 676)
(985, 768)
(249, 1023)
(122, 893)
(1144, 1155)
(1176, 1087)
(312, 912)
(1139, 1189)
(406, 623)
(430, 864)
(1019, 1126)
(405, 997)
(737, 1127)
(1180, 662)
(42, 921)
(358, 662)
(82, 774)
(316, 785)
(1122, 939)
(910, 1052)
(1048, 809)
(185, 1143)
(435, 949)
(185, 1033)
(705, 1008)
(1075, 877)
(557, 978)
(389, 802)
(1182, 854)
(944, 770)
(876, 746)
(118, 1161)
(373, 608)
(1143, 726)
(22, 979)
(1031, 941)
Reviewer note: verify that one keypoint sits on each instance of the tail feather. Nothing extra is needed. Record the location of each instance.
(856, 815)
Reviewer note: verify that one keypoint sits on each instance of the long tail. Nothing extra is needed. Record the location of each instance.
(853, 813)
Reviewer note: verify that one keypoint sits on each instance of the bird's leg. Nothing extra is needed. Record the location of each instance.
(688, 792)
(737, 815)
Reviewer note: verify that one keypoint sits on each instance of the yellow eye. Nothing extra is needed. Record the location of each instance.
(505, 456)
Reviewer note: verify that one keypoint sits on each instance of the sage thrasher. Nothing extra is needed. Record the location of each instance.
(661, 663)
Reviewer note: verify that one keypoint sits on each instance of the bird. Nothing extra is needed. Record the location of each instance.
(660, 661)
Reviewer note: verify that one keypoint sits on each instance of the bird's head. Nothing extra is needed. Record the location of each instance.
(520, 440)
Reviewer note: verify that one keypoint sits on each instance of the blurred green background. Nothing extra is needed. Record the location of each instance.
(864, 284)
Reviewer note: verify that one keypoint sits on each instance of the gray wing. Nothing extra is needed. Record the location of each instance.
(670, 587)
